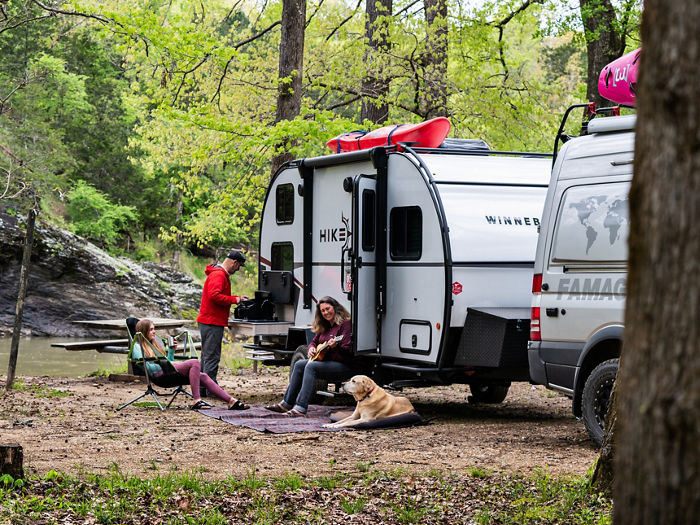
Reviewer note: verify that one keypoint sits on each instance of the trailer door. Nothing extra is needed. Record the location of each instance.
(364, 268)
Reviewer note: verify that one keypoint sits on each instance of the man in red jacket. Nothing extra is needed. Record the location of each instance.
(215, 309)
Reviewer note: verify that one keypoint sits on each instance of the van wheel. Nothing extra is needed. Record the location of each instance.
(596, 395)
(488, 393)
(299, 354)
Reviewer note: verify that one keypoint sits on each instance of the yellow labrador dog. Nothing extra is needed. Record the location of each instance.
(373, 402)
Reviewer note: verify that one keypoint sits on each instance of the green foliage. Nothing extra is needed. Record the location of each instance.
(92, 215)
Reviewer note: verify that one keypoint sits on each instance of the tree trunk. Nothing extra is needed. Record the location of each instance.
(11, 458)
(178, 237)
(291, 63)
(434, 60)
(375, 85)
(603, 42)
(19, 307)
(657, 477)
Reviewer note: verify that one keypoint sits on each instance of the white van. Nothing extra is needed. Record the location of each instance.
(581, 269)
(431, 250)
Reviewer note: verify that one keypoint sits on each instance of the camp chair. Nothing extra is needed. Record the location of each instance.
(170, 378)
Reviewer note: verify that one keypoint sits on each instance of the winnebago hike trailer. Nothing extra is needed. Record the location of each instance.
(431, 250)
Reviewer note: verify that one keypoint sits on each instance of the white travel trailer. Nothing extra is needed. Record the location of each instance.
(432, 251)
(579, 285)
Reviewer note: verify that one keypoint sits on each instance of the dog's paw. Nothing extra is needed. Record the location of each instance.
(329, 425)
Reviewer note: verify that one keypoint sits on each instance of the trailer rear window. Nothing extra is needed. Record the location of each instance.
(285, 203)
(406, 237)
(282, 256)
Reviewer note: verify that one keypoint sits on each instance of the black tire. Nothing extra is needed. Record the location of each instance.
(484, 393)
(301, 353)
(596, 395)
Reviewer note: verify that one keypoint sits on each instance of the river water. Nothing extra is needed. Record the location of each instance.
(36, 357)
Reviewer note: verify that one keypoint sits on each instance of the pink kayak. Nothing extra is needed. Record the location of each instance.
(428, 134)
(618, 80)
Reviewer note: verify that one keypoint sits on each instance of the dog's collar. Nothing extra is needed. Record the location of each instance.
(368, 394)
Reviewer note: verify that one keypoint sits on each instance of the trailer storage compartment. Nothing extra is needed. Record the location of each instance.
(494, 337)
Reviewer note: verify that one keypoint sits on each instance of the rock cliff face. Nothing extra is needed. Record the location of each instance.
(71, 279)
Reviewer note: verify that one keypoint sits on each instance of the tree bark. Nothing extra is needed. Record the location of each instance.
(434, 61)
(375, 86)
(603, 42)
(291, 63)
(11, 459)
(19, 307)
(658, 457)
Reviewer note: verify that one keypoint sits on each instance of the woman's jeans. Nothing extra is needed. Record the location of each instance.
(302, 384)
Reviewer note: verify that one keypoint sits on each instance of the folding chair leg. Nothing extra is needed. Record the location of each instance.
(175, 393)
(155, 397)
(133, 400)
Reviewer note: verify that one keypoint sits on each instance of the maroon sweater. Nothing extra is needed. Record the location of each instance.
(342, 351)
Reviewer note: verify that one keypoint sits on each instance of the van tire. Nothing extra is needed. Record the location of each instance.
(488, 393)
(302, 353)
(596, 395)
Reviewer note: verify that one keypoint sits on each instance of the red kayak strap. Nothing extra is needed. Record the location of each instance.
(388, 138)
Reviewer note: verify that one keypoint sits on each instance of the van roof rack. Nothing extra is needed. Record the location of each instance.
(589, 113)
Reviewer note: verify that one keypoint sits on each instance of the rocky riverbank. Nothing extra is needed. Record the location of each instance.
(72, 279)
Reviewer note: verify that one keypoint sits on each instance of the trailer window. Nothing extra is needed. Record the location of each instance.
(368, 221)
(285, 203)
(282, 256)
(406, 237)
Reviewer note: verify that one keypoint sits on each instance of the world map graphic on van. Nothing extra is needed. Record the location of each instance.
(594, 223)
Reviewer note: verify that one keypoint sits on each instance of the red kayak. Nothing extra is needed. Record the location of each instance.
(618, 80)
(428, 134)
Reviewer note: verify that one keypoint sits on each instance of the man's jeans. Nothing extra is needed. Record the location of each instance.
(212, 335)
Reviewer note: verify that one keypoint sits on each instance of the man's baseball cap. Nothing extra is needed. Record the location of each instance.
(235, 255)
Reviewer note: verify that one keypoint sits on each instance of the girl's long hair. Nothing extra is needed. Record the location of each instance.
(320, 325)
(142, 328)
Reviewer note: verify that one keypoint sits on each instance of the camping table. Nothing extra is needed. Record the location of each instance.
(242, 328)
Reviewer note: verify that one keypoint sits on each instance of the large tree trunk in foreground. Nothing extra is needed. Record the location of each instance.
(291, 61)
(657, 476)
(376, 85)
(19, 307)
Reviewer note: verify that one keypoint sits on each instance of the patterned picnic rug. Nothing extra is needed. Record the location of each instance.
(257, 418)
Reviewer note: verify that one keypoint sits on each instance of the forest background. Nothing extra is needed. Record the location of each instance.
(152, 127)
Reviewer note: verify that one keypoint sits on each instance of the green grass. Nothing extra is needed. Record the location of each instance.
(392, 497)
(38, 390)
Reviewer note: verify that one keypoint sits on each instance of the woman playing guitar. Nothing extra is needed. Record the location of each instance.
(329, 357)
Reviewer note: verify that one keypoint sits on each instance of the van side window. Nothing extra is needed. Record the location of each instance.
(592, 225)
(368, 220)
(284, 200)
(282, 256)
(406, 237)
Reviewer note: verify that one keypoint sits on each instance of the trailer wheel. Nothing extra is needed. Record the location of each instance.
(487, 393)
(596, 395)
(299, 354)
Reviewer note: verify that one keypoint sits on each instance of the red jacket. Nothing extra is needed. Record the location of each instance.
(216, 297)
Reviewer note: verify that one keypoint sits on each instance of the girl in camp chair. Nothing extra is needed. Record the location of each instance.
(190, 368)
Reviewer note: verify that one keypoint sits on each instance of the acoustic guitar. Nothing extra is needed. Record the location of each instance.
(323, 348)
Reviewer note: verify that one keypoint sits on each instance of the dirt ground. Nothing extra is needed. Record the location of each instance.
(71, 425)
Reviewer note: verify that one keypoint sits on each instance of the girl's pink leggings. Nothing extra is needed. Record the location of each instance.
(193, 369)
